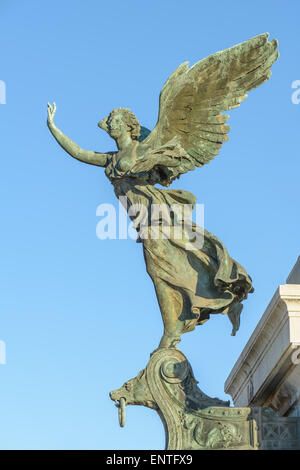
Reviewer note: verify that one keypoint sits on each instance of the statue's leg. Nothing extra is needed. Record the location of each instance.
(171, 305)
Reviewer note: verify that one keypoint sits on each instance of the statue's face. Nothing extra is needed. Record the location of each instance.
(116, 125)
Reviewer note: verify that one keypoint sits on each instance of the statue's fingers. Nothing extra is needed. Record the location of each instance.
(54, 107)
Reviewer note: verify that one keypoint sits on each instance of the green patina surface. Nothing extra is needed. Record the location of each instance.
(192, 281)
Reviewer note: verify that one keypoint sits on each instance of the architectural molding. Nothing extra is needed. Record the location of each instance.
(267, 372)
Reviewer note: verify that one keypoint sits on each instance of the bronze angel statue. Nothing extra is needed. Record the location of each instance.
(190, 284)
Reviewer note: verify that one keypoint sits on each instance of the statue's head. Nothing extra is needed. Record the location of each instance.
(120, 121)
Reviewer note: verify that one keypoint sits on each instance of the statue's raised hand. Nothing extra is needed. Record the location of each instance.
(51, 113)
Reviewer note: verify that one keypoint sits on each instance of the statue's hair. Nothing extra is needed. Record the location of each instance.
(131, 121)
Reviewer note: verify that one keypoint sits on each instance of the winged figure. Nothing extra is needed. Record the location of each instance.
(190, 284)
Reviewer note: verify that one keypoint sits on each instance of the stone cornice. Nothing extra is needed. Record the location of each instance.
(276, 334)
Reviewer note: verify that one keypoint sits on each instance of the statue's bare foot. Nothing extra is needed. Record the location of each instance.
(169, 341)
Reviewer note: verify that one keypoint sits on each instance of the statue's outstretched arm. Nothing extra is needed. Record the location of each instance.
(86, 156)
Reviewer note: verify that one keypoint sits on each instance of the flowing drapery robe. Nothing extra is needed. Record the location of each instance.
(208, 279)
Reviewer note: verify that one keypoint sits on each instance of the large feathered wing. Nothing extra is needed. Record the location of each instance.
(191, 127)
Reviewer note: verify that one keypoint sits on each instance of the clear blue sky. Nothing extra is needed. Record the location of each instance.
(79, 315)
